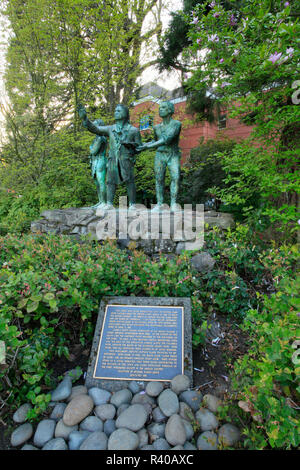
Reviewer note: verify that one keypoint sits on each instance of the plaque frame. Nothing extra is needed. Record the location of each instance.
(114, 384)
(142, 306)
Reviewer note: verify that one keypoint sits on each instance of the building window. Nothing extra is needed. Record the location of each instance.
(222, 121)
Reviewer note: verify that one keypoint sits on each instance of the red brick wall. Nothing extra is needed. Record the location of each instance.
(192, 132)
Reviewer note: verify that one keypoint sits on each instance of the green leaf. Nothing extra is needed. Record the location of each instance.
(49, 296)
(32, 307)
(22, 303)
(43, 321)
(36, 298)
(53, 304)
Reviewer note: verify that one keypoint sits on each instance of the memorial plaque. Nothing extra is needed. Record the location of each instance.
(142, 339)
(140, 342)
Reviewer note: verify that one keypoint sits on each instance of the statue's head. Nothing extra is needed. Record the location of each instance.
(122, 112)
(165, 108)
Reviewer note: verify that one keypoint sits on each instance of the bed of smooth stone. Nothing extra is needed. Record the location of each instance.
(160, 417)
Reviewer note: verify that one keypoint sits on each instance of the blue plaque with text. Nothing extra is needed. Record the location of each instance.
(141, 343)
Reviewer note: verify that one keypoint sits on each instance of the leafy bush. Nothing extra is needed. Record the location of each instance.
(51, 287)
(50, 292)
(266, 379)
(203, 170)
(265, 388)
(64, 180)
(249, 57)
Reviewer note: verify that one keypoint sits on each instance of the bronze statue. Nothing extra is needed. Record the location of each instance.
(167, 154)
(98, 164)
(124, 140)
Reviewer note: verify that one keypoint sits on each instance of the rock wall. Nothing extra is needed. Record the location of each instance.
(151, 232)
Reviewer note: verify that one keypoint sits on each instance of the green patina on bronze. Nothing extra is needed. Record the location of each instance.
(98, 164)
(167, 153)
(124, 140)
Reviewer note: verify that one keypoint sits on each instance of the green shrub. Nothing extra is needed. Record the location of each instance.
(266, 379)
(50, 292)
(64, 180)
(51, 287)
(265, 386)
(203, 170)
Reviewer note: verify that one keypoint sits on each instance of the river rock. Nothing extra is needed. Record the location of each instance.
(158, 416)
(77, 390)
(153, 389)
(161, 444)
(203, 262)
(56, 444)
(20, 416)
(189, 446)
(63, 390)
(143, 437)
(192, 398)
(76, 438)
(105, 412)
(122, 408)
(207, 420)
(134, 387)
(156, 430)
(109, 427)
(208, 440)
(180, 383)
(95, 441)
(91, 424)
(228, 435)
(133, 418)
(44, 432)
(188, 429)
(74, 374)
(186, 412)
(78, 409)
(168, 402)
(21, 434)
(211, 402)
(64, 431)
(148, 409)
(58, 411)
(123, 439)
(142, 398)
(99, 396)
(175, 431)
(121, 397)
(29, 447)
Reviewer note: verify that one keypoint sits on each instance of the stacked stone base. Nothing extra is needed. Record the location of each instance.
(151, 232)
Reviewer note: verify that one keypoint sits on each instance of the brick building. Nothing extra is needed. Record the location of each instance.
(151, 95)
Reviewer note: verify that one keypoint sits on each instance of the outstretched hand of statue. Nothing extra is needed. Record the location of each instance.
(144, 146)
(82, 112)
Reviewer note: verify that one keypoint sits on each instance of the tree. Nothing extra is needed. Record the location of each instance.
(61, 53)
(250, 59)
(176, 38)
(202, 103)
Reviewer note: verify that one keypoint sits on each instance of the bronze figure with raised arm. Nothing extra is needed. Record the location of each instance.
(124, 139)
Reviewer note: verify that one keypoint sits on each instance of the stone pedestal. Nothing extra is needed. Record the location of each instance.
(153, 232)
